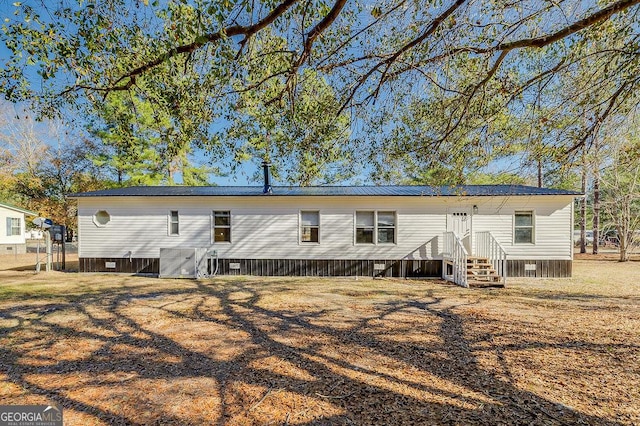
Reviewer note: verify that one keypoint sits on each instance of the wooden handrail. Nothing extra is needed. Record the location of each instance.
(454, 252)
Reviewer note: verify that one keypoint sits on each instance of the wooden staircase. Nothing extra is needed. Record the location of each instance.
(480, 273)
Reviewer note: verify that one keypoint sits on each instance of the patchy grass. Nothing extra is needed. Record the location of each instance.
(238, 351)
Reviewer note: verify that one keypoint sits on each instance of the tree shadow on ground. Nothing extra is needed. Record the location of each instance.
(398, 362)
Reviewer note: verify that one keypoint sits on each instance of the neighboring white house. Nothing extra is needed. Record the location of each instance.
(363, 230)
(12, 229)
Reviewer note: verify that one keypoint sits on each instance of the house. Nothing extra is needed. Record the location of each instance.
(12, 229)
(405, 231)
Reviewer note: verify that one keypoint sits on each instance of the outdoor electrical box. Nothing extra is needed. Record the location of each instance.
(177, 262)
(57, 232)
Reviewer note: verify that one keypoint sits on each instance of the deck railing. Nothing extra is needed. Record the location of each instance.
(487, 246)
(454, 266)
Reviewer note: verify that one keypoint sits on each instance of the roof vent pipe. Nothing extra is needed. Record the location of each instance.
(267, 178)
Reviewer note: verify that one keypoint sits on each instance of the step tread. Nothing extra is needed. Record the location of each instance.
(485, 284)
(484, 275)
(483, 279)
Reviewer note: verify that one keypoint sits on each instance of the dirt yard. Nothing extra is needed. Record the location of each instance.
(243, 351)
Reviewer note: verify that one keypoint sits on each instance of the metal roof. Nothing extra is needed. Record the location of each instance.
(346, 191)
(18, 209)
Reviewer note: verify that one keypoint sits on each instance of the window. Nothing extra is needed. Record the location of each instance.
(13, 226)
(523, 228)
(386, 227)
(365, 227)
(310, 227)
(174, 223)
(101, 218)
(375, 227)
(222, 226)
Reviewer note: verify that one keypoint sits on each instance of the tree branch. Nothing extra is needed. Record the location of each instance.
(435, 24)
(595, 18)
(611, 106)
(485, 80)
(537, 42)
(320, 28)
(352, 37)
(231, 31)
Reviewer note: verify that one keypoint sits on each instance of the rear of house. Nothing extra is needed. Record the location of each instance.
(12, 229)
(326, 231)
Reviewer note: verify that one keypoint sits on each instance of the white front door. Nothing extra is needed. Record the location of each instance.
(459, 221)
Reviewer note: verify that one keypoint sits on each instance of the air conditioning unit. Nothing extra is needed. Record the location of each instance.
(177, 262)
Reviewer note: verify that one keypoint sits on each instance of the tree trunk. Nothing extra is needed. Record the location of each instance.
(622, 245)
(596, 192)
(596, 211)
(625, 233)
(583, 209)
(540, 182)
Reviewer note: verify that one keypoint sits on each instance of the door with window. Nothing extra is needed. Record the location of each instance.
(459, 221)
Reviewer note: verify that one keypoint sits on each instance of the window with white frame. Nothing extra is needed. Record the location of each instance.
(13, 226)
(101, 218)
(523, 230)
(386, 222)
(310, 226)
(375, 227)
(222, 226)
(174, 223)
(365, 227)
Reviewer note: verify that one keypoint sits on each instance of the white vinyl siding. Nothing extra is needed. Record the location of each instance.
(270, 227)
(552, 218)
(12, 224)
